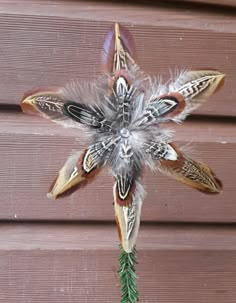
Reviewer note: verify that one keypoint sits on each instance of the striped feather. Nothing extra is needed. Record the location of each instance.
(190, 172)
(195, 87)
(48, 103)
(128, 217)
(118, 50)
(77, 172)
(88, 115)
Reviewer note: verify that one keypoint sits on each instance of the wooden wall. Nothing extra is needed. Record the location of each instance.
(66, 251)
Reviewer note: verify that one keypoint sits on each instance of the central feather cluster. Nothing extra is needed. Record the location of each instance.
(125, 128)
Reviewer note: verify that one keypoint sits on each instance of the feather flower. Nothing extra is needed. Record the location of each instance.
(123, 114)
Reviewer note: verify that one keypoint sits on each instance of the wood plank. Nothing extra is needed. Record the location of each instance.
(50, 43)
(103, 236)
(64, 263)
(33, 150)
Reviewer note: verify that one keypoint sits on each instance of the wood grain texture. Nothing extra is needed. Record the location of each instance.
(104, 236)
(51, 258)
(33, 150)
(52, 42)
(77, 263)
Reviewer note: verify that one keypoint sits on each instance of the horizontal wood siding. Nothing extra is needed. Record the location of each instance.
(50, 43)
(66, 251)
(73, 263)
(33, 150)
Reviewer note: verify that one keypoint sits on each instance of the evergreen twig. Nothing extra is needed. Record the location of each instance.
(127, 276)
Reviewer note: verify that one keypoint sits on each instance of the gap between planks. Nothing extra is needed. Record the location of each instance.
(104, 236)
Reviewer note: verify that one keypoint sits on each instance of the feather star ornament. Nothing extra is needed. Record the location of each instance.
(122, 114)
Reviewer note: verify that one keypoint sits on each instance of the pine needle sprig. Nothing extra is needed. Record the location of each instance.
(127, 276)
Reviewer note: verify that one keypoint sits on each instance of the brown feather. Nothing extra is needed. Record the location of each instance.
(192, 173)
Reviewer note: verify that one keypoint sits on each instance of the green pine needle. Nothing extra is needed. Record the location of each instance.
(127, 276)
